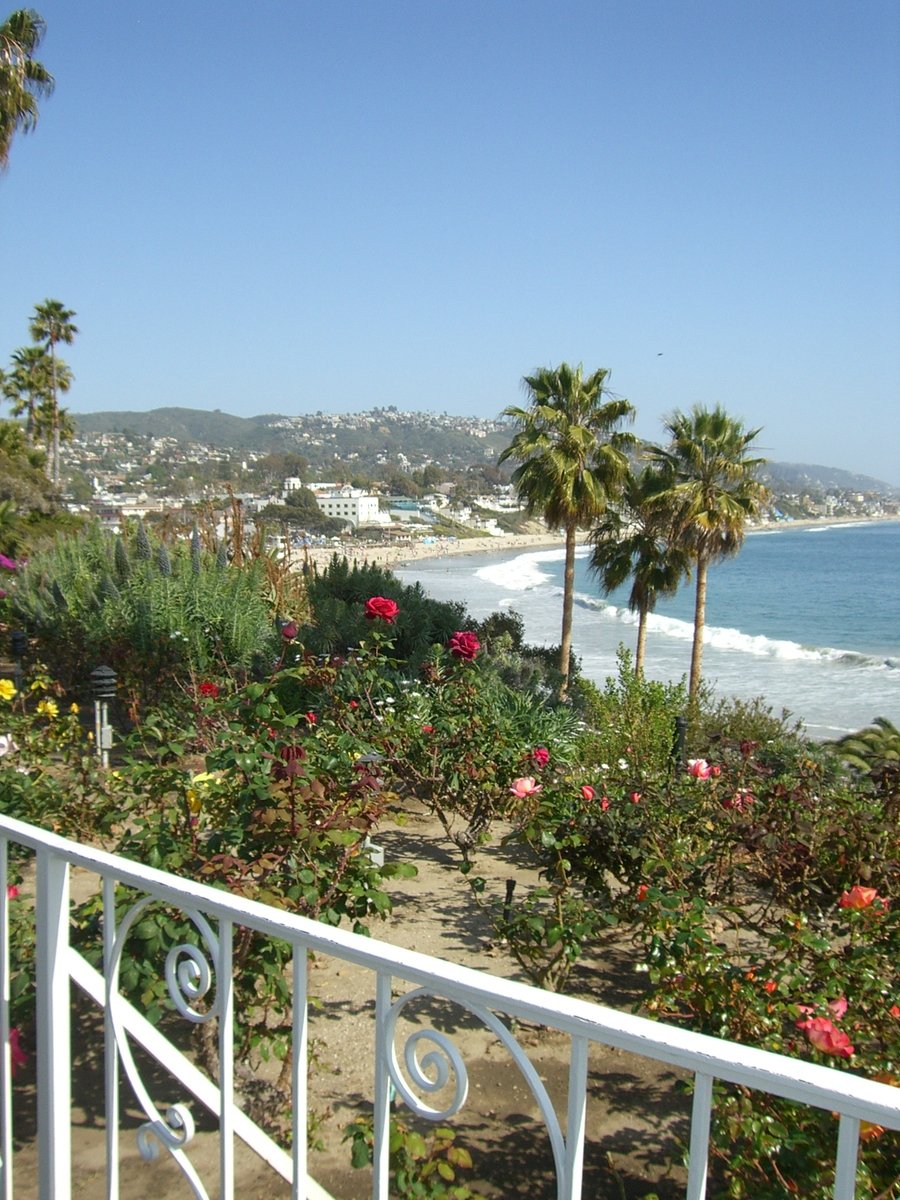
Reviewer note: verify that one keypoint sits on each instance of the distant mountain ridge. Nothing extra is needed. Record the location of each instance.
(271, 432)
(800, 477)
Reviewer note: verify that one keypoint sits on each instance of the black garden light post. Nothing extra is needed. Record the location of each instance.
(103, 686)
(18, 642)
(678, 741)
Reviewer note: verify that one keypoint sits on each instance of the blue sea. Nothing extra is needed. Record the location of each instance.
(808, 618)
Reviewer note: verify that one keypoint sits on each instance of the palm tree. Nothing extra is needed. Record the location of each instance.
(635, 539)
(22, 80)
(27, 385)
(711, 484)
(572, 461)
(51, 324)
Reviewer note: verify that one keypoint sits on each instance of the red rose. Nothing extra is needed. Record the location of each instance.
(464, 645)
(540, 757)
(604, 804)
(642, 892)
(380, 608)
(587, 792)
(312, 718)
(209, 689)
(635, 797)
(290, 630)
(428, 729)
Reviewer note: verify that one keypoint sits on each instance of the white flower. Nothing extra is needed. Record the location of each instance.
(7, 745)
(623, 764)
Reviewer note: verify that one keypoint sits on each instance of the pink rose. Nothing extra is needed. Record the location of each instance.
(526, 786)
(838, 1007)
(740, 801)
(588, 792)
(380, 608)
(699, 768)
(635, 797)
(858, 897)
(540, 757)
(604, 804)
(826, 1037)
(12, 892)
(290, 630)
(464, 645)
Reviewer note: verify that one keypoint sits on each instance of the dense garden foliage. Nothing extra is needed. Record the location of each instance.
(754, 871)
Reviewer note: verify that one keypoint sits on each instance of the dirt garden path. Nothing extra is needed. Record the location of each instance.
(635, 1109)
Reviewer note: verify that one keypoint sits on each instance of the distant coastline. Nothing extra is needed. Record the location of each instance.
(408, 553)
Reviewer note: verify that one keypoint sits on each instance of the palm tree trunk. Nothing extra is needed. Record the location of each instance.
(641, 641)
(565, 648)
(55, 452)
(699, 623)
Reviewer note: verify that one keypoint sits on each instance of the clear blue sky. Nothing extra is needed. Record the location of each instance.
(285, 206)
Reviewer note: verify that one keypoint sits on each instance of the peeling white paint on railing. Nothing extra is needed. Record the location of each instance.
(189, 976)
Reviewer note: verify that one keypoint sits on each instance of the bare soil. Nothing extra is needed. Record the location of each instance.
(636, 1110)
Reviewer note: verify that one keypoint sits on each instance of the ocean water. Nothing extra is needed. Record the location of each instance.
(807, 618)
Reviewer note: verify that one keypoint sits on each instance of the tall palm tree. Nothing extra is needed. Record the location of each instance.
(571, 459)
(635, 539)
(27, 385)
(23, 80)
(712, 484)
(50, 324)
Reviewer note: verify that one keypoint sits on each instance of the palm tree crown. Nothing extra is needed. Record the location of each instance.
(52, 323)
(635, 539)
(712, 485)
(571, 459)
(22, 79)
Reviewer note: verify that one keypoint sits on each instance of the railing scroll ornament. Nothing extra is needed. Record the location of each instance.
(430, 1073)
(189, 977)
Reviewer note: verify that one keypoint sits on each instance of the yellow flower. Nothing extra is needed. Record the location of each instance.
(7, 689)
(194, 801)
(74, 709)
(48, 708)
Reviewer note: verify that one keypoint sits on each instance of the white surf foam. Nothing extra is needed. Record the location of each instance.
(723, 638)
(524, 571)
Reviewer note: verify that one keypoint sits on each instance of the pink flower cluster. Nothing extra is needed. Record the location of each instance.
(699, 768)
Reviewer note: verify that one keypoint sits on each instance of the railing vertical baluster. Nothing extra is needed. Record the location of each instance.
(6, 1166)
(54, 1014)
(570, 1188)
(847, 1151)
(300, 1070)
(381, 1156)
(225, 1002)
(111, 1050)
(698, 1163)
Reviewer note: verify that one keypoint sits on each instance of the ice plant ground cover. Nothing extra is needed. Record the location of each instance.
(757, 879)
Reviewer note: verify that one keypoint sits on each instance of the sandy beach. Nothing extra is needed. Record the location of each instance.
(406, 552)
(415, 549)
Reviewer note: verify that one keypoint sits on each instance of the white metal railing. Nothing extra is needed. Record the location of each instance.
(190, 972)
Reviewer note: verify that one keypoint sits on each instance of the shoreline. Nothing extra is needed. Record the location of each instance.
(412, 552)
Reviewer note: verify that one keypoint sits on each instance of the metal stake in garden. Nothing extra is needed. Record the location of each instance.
(103, 685)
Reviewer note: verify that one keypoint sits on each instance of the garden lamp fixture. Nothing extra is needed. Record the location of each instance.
(18, 642)
(103, 686)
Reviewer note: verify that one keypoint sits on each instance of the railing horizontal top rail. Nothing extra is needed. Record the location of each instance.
(793, 1079)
